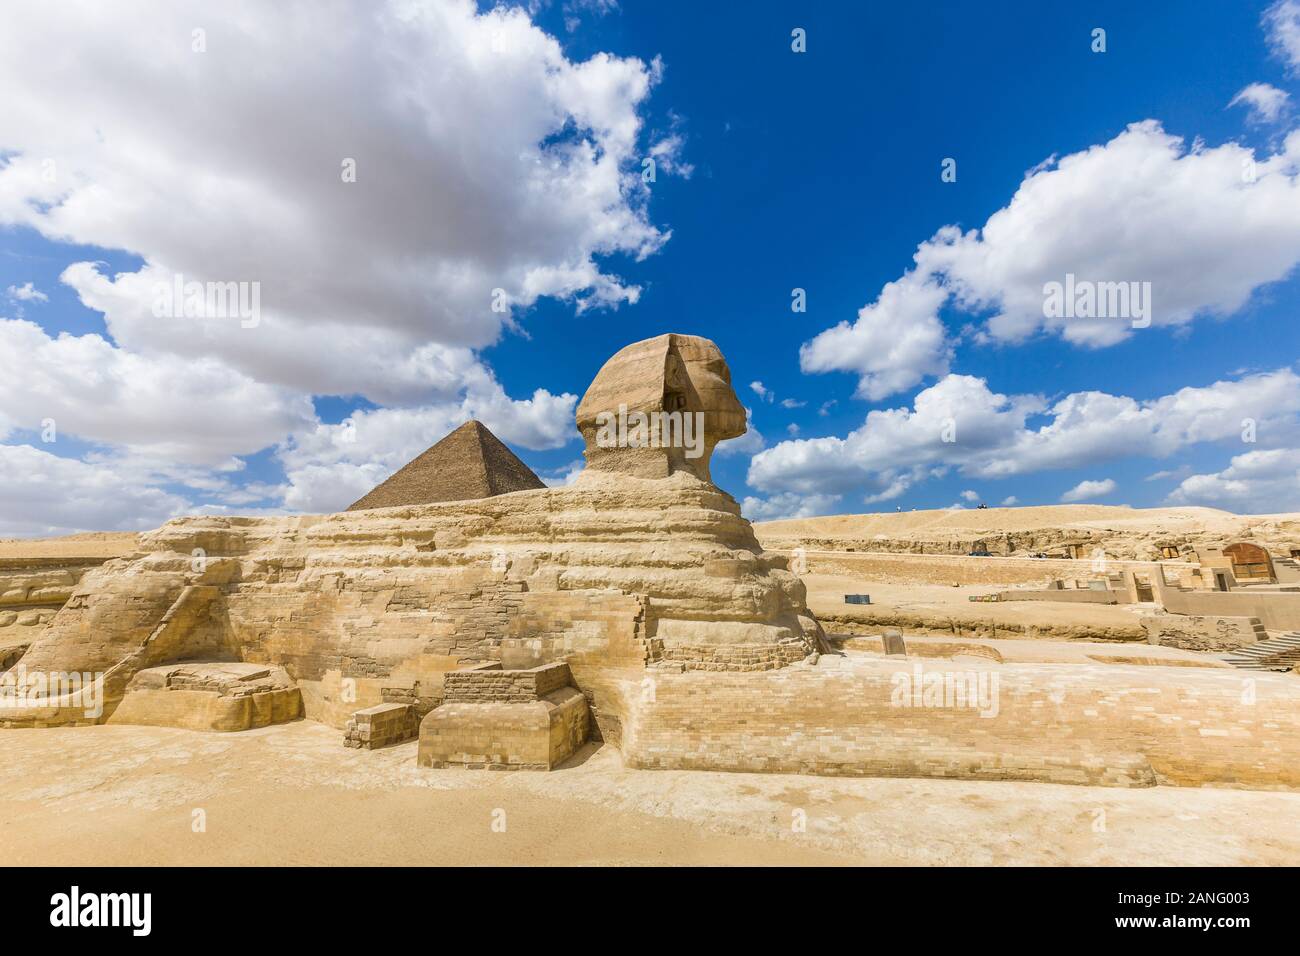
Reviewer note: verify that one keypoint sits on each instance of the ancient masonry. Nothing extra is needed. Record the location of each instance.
(634, 606)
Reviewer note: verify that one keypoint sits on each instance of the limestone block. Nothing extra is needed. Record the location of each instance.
(214, 696)
(534, 735)
(381, 725)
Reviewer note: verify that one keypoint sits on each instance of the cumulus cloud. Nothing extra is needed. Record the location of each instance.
(1261, 481)
(1266, 103)
(197, 412)
(90, 497)
(959, 423)
(1088, 490)
(971, 496)
(896, 342)
(401, 189)
(1010, 501)
(485, 159)
(1205, 227)
(787, 505)
(762, 391)
(26, 293)
(1282, 21)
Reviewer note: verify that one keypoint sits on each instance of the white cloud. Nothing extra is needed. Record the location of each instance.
(194, 410)
(895, 343)
(47, 495)
(1266, 103)
(1206, 227)
(667, 155)
(565, 476)
(1010, 501)
(787, 505)
(485, 160)
(759, 389)
(960, 423)
(26, 293)
(1255, 482)
(1282, 21)
(1088, 490)
(792, 403)
(573, 11)
(971, 496)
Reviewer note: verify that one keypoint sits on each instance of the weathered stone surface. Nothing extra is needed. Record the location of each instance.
(373, 727)
(506, 720)
(209, 695)
(684, 375)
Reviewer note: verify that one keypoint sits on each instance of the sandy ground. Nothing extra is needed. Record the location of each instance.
(1002, 520)
(292, 794)
(93, 544)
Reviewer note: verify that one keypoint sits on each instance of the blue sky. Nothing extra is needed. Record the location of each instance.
(818, 170)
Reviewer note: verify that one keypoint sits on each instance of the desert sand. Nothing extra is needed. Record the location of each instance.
(91, 544)
(291, 795)
(1122, 532)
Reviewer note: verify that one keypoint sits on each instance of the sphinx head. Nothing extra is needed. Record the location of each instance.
(658, 407)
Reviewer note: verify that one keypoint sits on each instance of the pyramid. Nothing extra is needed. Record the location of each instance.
(468, 463)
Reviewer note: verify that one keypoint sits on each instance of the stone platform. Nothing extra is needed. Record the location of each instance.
(222, 696)
(498, 719)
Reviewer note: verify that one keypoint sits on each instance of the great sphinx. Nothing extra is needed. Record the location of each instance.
(642, 563)
(634, 606)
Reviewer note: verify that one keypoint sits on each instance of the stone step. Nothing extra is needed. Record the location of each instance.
(1277, 653)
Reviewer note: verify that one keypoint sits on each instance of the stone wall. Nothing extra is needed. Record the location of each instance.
(1276, 610)
(1114, 725)
(505, 719)
(958, 569)
(381, 725)
(362, 606)
(33, 589)
(495, 685)
(1061, 595)
(1203, 632)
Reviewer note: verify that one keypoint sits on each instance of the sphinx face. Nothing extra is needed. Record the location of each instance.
(660, 406)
